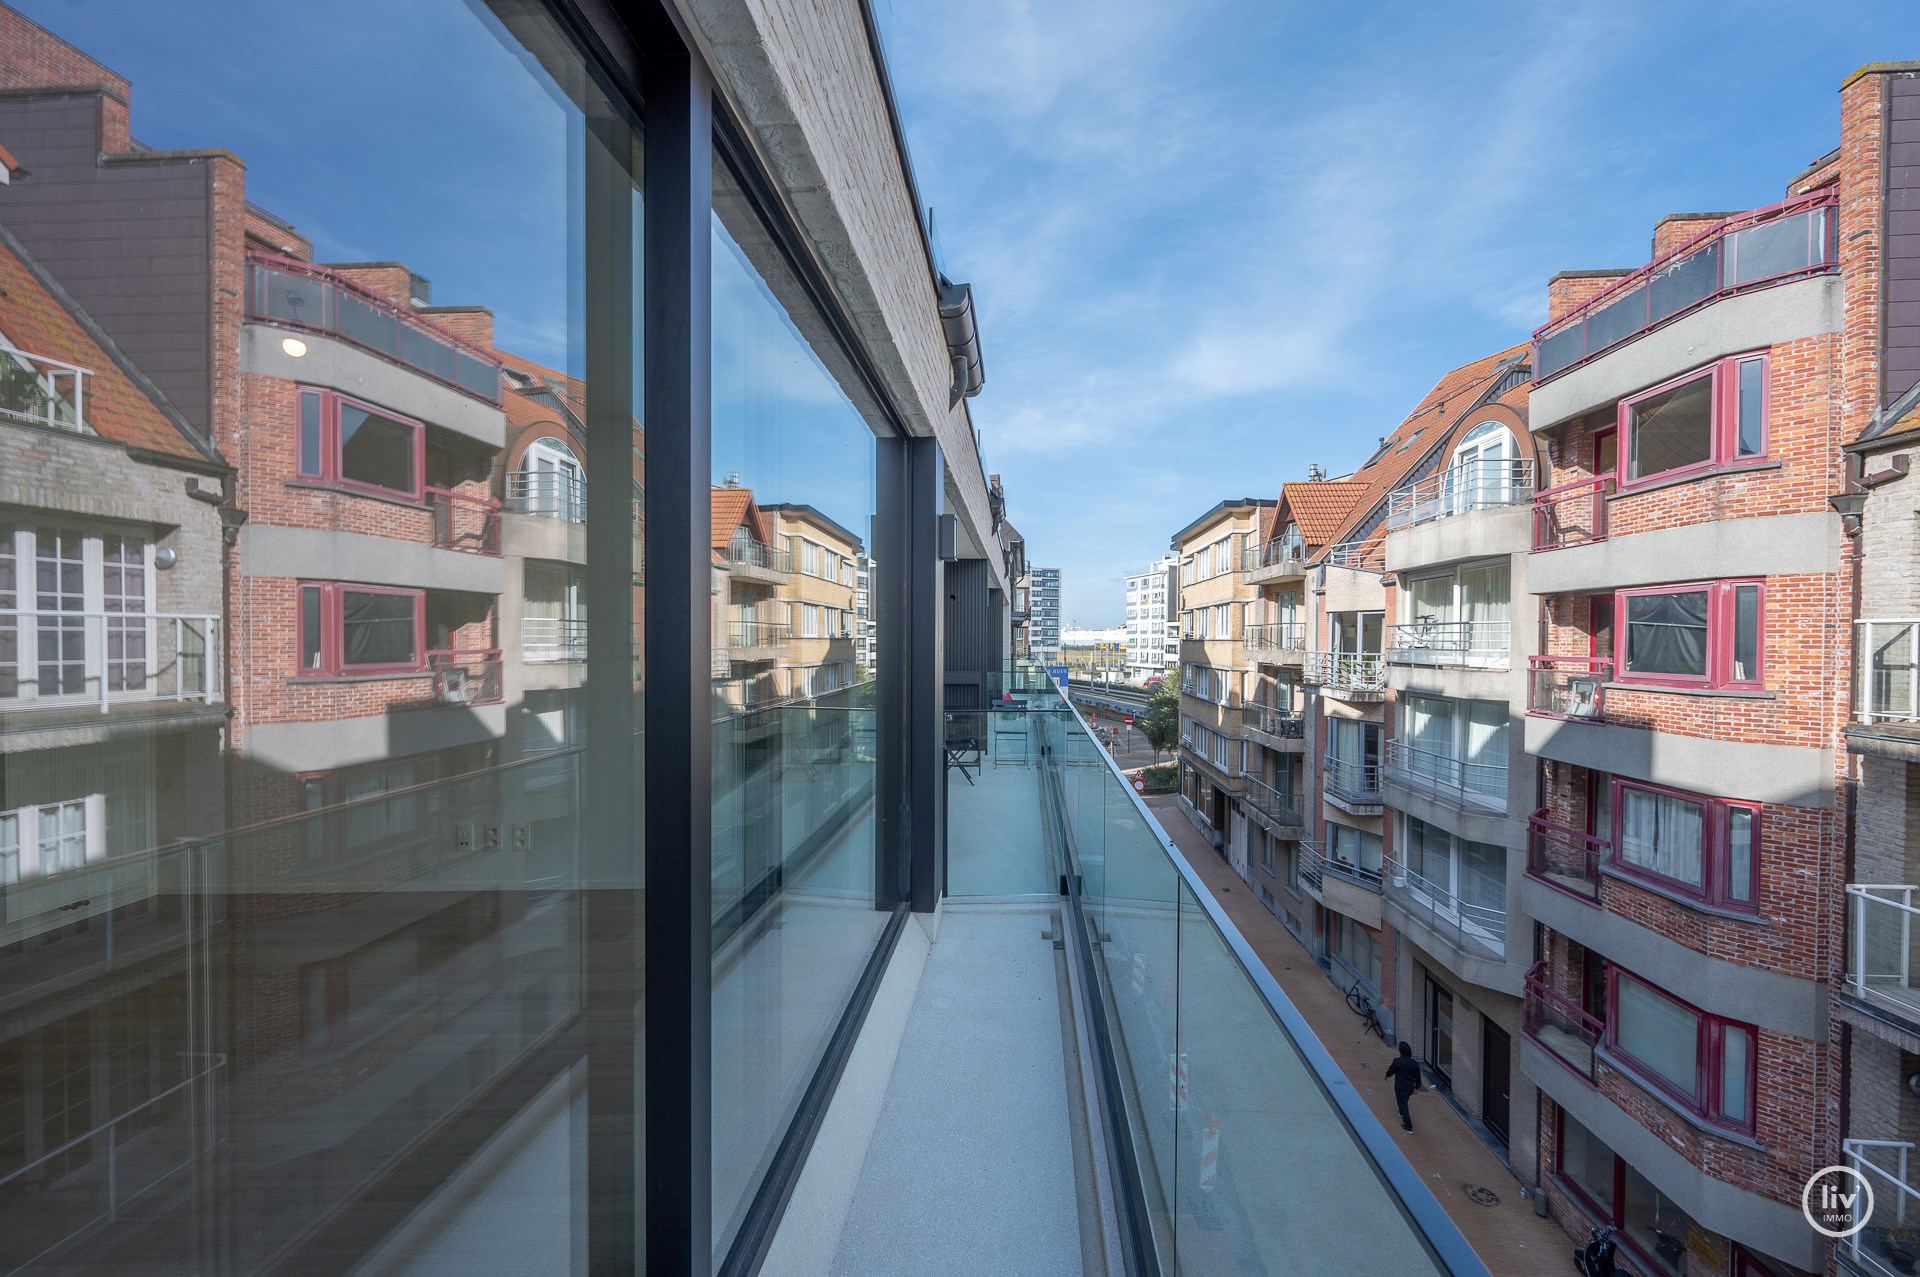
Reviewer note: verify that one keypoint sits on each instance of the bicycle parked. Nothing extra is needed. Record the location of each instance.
(1362, 1006)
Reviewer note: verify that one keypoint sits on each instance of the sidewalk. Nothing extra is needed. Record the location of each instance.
(1509, 1237)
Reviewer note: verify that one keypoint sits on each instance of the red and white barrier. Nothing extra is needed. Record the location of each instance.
(1210, 1156)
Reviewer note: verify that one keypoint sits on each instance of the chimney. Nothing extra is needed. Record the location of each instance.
(1675, 229)
(1569, 288)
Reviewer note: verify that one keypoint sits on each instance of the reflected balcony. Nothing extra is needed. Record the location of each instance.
(757, 640)
(547, 494)
(466, 523)
(465, 676)
(91, 662)
(1886, 690)
(39, 390)
(751, 561)
(547, 639)
(1886, 1246)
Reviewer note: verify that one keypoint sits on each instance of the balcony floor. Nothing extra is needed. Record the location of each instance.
(972, 1167)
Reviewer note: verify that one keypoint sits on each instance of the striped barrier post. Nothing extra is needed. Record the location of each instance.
(1210, 1156)
(1139, 979)
(1177, 1080)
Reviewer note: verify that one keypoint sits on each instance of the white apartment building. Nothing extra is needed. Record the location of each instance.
(1153, 620)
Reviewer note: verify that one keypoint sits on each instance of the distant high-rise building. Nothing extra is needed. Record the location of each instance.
(1152, 640)
(1044, 602)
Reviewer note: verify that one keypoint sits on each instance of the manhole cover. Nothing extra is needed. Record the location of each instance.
(1481, 1196)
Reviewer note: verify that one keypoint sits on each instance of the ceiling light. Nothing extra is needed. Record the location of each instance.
(293, 346)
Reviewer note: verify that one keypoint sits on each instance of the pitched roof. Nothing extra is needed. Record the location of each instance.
(1319, 507)
(1427, 426)
(39, 318)
(733, 507)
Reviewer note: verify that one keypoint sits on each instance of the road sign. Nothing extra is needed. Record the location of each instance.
(1140, 784)
(1129, 720)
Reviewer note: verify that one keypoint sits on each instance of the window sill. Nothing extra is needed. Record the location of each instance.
(300, 679)
(1621, 1066)
(1654, 485)
(1683, 899)
(340, 489)
(1725, 693)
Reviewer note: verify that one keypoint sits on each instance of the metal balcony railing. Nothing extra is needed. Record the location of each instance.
(1274, 722)
(1275, 806)
(1883, 927)
(1886, 662)
(466, 676)
(1467, 644)
(1463, 922)
(1564, 857)
(1339, 866)
(1559, 1025)
(1461, 488)
(1274, 636)
(54, 659)
(1460, 781)
(1366, 555)
(553, 638)
(753, 554)
(1571, 514)
(1569, 687)
(31, 390)
(1766, 246)
(547, 494)
(465, 523)
(1279, 553)
(1885, 1245)
(1309, 865)
(1346, 671)
(298, 294)
(759, 633)
(1350, 779)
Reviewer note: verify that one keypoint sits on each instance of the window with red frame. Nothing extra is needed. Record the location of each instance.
(1708, 848)
(1652, 1229)
(365, 809)
(1704, 634)
(360, 629)
(1701, 1062)
(356, 445)
(1716, 416)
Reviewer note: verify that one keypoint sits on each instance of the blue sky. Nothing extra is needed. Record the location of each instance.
(1214, 242)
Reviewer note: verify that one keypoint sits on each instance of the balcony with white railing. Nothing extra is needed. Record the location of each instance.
(545, 639)
(1757, 249)
(752, 561)
(1466, 925)
(1887, 1246)
(1462, 488)
(1282, 558)
(757, 640)
(1310, 866)
(1886, 663)
(1352, 676)
(1463, 783)
(1883, 947)
(1479, 645)
(53, 660)
(1560, 1026)
(39, 390)
(547, 494)
(1369, 554)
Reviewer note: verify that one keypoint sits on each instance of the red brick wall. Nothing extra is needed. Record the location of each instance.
(31, 57)
(1671, 232)
(1565, 292)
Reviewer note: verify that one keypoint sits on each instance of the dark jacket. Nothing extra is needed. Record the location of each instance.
(1405, 1074)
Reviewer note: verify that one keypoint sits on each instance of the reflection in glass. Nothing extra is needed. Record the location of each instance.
(793, 709)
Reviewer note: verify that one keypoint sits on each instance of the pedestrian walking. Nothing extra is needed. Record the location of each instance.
(1404, 1073)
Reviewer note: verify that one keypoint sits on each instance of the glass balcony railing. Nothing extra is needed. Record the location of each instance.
(1216, 1087)
(466, 676)
(1886, 689)
(42, 391)
(1570, 687)
(1885, 1246)
(300, 294)
(1461, 489)
(1277, 807)
(1571, 514)
(1274, 636)
(1270, 721)
(1564, 857)
(1284, 556)
(465, 523)
(1772, 245)
(1883, 946)
(1559, 1024)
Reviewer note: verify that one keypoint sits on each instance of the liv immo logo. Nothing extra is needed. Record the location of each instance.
(1838, 1201)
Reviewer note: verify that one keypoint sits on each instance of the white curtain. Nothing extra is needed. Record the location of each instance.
(1430, 725)
(1486, 748)
(1484, 607)
(1662, 833)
